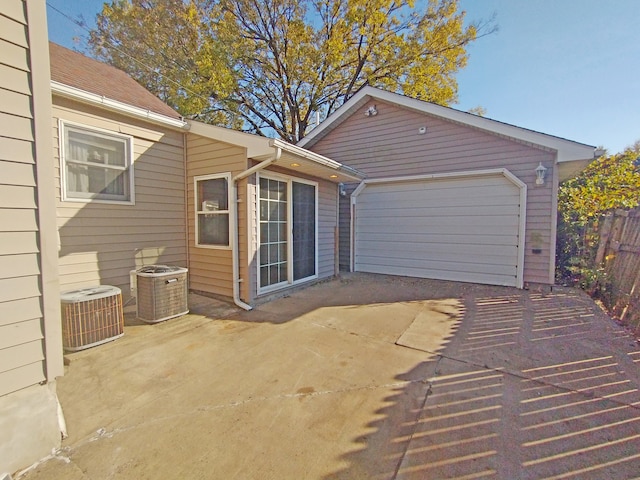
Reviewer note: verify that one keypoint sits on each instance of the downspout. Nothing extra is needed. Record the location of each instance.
(186, 199)
(234, 221)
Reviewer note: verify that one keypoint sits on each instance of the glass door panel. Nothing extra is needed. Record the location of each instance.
(304, 230)
(273, 232)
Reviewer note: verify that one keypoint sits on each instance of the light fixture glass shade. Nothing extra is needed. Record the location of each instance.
(540, 174)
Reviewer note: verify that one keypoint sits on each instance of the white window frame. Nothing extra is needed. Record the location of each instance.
(127, 141)
(199, 211)
(289, 181)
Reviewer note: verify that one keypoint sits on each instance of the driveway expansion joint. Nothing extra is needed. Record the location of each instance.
(416, 420)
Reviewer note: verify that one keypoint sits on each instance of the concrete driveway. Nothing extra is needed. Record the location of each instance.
(362, 377)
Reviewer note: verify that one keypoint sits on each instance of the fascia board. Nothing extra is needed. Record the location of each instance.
(89, 98)
(257, 147)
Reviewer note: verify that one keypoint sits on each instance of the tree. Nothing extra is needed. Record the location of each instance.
(608, 183)
(271, 65)
(166, 47)
(478, 110)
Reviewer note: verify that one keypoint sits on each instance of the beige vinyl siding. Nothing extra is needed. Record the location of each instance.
(210, 269)
(100, 242)
(22, 334)
(389, 145)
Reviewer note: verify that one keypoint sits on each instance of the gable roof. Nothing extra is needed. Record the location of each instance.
(567, 150)
(80, 72)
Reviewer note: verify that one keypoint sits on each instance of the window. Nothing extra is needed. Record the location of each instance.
(212, 210)
(96, 165)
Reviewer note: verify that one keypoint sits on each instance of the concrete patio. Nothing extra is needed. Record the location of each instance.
(363, 377)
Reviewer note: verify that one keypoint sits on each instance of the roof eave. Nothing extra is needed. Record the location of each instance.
(333, 171)
(256, 146)
(73, 93)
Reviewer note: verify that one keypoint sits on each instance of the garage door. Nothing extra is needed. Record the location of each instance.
(463, 228)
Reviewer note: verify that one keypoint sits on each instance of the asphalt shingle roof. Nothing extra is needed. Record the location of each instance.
(79, 71)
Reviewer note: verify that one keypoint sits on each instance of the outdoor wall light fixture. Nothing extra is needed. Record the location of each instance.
(541, 171)
(422, 130)
(372, 111)
(342, 190)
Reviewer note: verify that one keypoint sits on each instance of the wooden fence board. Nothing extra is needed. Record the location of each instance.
(619, 254)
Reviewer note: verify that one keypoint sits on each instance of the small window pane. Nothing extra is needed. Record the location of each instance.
(213, 229)
(273, 232)
(264, 275)
(90, 148)
(264, 188)
(283, 271)
(273, 275)
(264, 254)
(273, 253)
(273, 211)
(213, 195)
(282, 212)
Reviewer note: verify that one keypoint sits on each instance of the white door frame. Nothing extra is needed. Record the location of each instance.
(288, 179)
(435, 176)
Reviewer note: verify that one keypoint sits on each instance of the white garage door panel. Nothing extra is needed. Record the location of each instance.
(509, 220)
(465, 229)
(484, 254)
(484, 278)
(441, 265)
(446, 188)
(433, 228)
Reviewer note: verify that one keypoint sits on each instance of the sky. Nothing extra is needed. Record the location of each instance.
(569, 68)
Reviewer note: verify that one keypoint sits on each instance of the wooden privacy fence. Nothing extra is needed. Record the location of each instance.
(619, 255)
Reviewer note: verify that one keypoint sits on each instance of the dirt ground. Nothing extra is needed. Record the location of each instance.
(365, 376)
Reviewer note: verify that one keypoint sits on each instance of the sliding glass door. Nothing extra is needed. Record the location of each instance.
(288, 231)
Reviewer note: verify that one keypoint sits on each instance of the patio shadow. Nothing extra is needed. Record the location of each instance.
(532, 386)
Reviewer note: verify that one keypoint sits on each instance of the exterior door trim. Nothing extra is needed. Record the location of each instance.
(288, 179)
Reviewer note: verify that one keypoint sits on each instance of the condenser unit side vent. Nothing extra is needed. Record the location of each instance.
(91, 316)
(161, 293)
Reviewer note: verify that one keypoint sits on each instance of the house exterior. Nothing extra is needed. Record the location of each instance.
(119, 172)
(99, 178)
(138, 185)
(262, 214)
(30, 328)
(448, 195)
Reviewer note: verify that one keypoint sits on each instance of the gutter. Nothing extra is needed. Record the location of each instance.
(114, 105)
(316, 158)
(234, 226)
